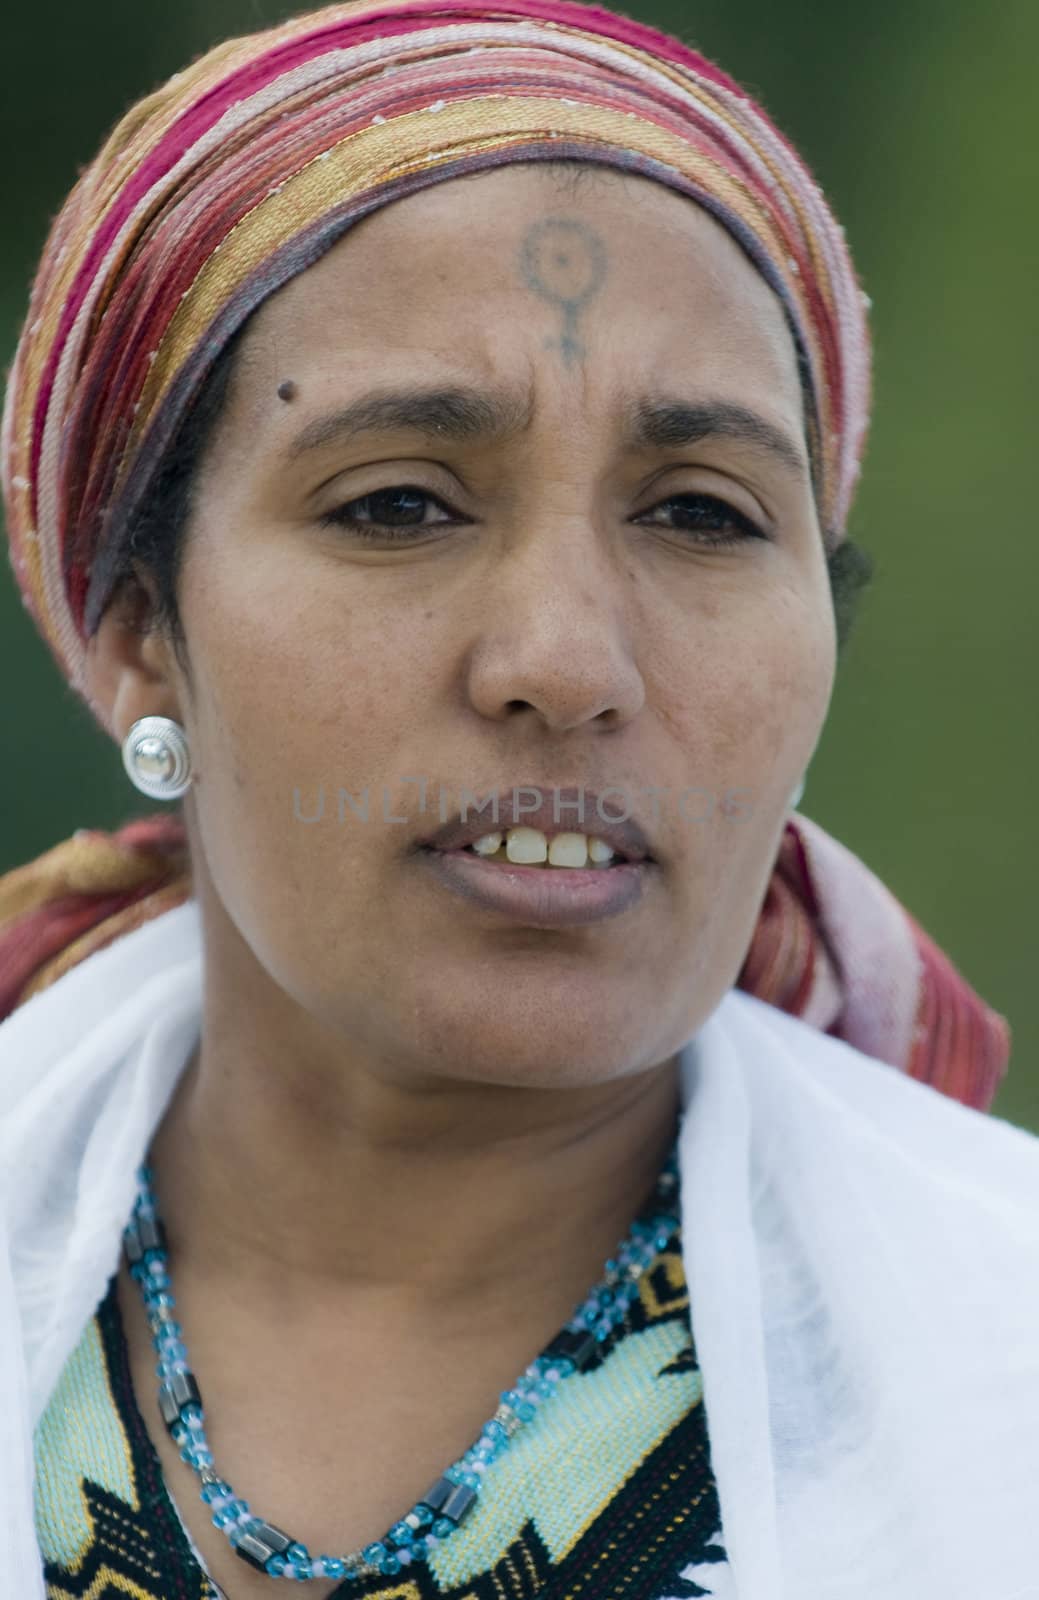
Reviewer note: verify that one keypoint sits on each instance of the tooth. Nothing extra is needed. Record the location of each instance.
(599, 850)
(488, 844)
(568, 850)
(526, 846)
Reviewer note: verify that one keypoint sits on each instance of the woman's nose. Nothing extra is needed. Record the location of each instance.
(558, 633)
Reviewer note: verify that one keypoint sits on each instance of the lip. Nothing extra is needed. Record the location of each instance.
(541, 897)
(624, 836)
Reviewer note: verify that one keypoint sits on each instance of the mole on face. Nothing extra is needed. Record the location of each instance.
(287, 390)
(564, 261)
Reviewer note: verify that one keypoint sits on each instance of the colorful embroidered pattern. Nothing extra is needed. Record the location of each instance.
(610, 1496)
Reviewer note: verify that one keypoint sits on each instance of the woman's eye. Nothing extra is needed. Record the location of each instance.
(399, 513)
(385, 513)
(714, 519)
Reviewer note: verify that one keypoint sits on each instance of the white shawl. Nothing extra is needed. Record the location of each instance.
(862, 1256)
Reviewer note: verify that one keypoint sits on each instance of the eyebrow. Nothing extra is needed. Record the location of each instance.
(467, 415)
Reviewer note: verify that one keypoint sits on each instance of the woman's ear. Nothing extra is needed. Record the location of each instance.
(131, 666)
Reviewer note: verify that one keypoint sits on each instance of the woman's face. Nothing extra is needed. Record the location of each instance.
(554, 603)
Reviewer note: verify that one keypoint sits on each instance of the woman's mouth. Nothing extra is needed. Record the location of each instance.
(563, 880)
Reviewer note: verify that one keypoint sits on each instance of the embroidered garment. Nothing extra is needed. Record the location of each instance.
(609, 1492)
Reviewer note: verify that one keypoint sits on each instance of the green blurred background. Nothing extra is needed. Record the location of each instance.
(917, 117)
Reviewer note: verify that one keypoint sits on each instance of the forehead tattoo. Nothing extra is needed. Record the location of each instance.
(564, 261)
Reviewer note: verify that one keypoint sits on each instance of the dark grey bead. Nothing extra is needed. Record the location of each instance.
(151, 1233)
(449, 1499)
(276, 1541)
(184, 1389)
(254, 1550)
(438, 1494)
(579, 1347)
(132, 1246)
(168, 1406)
(458, 1504)
(179, 1391)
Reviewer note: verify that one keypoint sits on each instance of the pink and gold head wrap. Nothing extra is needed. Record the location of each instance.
(239, 173)
(243, 169)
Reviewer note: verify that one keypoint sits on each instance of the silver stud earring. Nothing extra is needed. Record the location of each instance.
(157, 758)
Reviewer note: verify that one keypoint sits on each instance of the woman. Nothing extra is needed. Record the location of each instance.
(428, 453)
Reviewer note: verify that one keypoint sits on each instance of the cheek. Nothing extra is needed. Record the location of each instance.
(744, 685)
(303, 691)
(299, 670)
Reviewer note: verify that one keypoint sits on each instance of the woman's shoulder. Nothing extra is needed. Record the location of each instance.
(817, 1093)
(95, 1009)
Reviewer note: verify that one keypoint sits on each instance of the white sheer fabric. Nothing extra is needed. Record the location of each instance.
(862, 1256)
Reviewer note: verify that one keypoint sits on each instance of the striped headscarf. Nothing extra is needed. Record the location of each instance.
(240, 172)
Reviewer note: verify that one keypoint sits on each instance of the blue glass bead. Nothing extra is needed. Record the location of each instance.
(224, 1517)
(605, 1297)
(389, 1565)
(470, 1479)
(422, 1514)
(275, 1565)
(525, 1411)
(442, 1527)
(401, 1534)
(374, 1553)
(203, 1457)
(214, 1491)
(564, 1366)
(303, 1569)
(602, 1333)
(510, 1396)
(494, 1430)
(165, 1325)
(419, 1550)
(334, 1568)
(297, 1552)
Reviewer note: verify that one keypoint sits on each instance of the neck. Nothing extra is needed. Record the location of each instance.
(328, 1172)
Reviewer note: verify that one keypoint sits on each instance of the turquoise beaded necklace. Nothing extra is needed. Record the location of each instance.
(445, 1505)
